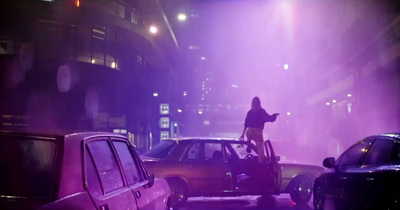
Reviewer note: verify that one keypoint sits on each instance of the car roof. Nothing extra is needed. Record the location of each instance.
(395, 136)
(202, 139)
(67, 135)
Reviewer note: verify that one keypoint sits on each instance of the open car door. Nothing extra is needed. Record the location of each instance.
(272, 160)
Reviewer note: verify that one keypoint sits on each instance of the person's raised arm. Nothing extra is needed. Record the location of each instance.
(271, 118)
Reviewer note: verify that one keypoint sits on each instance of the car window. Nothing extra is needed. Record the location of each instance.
(106, 165)
(26, 166)
(213, 151)
(352, 156)
(230, 154)
(380, 152)
(192, 152)
(127, 160)
(161, 150)
(397, 153)
(92, 176)
(240, 149)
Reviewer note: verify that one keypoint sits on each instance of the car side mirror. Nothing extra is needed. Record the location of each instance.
(329, 162)
(277, 158)
(150, 182)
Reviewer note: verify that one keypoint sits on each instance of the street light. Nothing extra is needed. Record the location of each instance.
(286, 66)
(182, 17)
(153, 29)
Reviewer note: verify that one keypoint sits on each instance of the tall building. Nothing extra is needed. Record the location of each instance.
(359, 93)
(85, 65)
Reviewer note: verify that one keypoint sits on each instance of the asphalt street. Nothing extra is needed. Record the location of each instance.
(281, 202)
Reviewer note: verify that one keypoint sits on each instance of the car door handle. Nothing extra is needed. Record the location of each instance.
(104, 207)
(138, 194)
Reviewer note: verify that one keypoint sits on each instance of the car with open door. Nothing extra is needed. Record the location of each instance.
(213, 167)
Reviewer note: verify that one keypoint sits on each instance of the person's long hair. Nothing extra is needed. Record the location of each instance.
(256, 103)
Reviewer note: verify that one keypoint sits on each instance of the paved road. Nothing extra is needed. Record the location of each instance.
(282, 202)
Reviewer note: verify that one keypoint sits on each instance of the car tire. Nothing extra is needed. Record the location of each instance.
(301, 189)
(179, 192)
(319, 197)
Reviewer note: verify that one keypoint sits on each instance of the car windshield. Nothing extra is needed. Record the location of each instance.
(26, 167)
(161, 150)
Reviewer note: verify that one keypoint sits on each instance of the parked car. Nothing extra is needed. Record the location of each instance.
(88, 170)
(297, 175)
(365, 176)
(219, 167)
(298, 179)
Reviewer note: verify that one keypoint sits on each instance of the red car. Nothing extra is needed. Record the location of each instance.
(90, 170)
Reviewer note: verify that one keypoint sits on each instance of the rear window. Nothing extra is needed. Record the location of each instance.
(161, 150)
(26, 166)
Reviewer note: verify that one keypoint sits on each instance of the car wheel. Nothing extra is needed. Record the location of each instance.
(179, 192)
(301, 189)
(319, 197)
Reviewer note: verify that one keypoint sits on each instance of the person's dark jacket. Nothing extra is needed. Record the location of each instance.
(257, 118)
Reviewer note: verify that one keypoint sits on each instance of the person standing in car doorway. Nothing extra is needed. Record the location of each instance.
(254, 125)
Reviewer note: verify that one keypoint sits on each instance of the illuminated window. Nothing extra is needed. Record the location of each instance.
(134, 17)
(99, 32)
(121, 11)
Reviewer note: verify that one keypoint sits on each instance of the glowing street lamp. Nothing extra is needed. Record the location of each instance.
(155, 94)
(286, 66)
(182, 17)
(153, 29)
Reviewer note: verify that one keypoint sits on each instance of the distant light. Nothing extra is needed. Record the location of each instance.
(176, 124)
(349, 95)
(184, 93)
(235, 86)
(333, 101)
(286, 66)
(153, 29)
(327, 103)
(93, 61)
(182, 17)
(77, 3)
(113, 65)
(288, 113)
(155, 94)
(349, 107)
(203, 58)
(124, 131)
(116, 131)
(206, 122)
(180, 110)
(200, 112)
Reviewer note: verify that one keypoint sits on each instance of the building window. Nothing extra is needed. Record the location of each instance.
(98, 32)
(121, 11)
(139, 58)
(134, 17)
